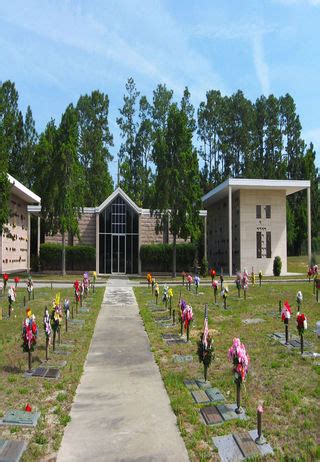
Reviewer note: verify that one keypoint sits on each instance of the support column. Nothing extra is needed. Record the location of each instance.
(230, 229)
(139, 243)
(97, 243)
(309, 224)
(205, 250)
(38, 237)
(28, 237)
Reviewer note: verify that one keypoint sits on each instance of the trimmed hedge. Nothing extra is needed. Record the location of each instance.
(78, 257)
(158, 257)
(277, 265)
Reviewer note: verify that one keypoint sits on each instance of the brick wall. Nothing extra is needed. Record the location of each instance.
(87, 231)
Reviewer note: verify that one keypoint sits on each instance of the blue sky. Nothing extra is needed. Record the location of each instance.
(57, 50)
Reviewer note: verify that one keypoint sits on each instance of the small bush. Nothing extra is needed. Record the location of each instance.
(158, 257)
(78, 257)
(277, 265)
(204, 267)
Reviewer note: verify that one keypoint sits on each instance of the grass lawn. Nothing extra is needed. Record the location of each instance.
(52, 397)
(288, 385)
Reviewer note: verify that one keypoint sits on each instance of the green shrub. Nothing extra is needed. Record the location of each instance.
(158, 257)
(204, 267)
(78, 257)
(277, 265)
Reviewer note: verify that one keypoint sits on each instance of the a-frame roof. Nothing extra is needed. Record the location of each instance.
(118, 192)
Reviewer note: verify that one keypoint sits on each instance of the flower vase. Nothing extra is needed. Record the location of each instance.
(29, 360)
(215, 296)
(205, 371)
(181, 326)
(225, 302)
(239, 292)
(173, 316)
(260, 439)
(54, 341)
(245, 294)
(286, 324)
(301, 342)
(47, 347)
(238, 409)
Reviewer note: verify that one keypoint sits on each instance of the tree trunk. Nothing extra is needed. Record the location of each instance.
(63, 255)
(174, 262)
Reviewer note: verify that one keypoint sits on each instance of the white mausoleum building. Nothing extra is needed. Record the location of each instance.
(247, 223)
(15, 238)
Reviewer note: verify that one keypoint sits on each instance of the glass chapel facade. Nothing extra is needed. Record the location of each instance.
(118, 238)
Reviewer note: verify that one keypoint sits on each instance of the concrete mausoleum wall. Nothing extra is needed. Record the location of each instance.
(14, 239)
(250, 225)
(218, 235)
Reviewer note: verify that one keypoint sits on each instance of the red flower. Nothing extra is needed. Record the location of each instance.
(16, 279)
(5, 277)
(28, 408)
(213, 272)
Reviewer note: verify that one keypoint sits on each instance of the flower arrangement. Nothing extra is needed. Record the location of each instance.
(212, 274)
(301, 323)
(238, 282)
(196, 282)
(149, 279)
(245, 283)
(170, 295)
(16, 281)
(260, 277)
(224, 295)
(76, 287)
(286, 312)
(94, 275)
(189, 281)
(86, 283)
(215, 289)
(156, 291)
(184, 275)
(47, 323)
(29, 331)
(182, 305)
(253, 278)
(299, 299)
(238, 355)
(56, 315)
(66, 307)
(187, 317)
(165, 293)
(205, 348)
(5, 278)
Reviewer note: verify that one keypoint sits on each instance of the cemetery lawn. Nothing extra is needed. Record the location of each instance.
(288, 384)
(52, 397)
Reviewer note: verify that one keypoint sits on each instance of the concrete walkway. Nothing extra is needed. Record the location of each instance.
(121, 410)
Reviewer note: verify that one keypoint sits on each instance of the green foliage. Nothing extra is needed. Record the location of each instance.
(204, 269)
(78, 257)
(277, 265)
(158, 257)
(94, 142)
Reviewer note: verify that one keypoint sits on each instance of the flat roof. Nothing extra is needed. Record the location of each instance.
(221, 191)
(23, 192)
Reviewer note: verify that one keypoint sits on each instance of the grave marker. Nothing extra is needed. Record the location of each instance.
(246, 444)
(23, 418)
(11, 451)
(200, 396)
(211, 415)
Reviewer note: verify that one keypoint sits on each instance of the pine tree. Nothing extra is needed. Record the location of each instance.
(94, 142)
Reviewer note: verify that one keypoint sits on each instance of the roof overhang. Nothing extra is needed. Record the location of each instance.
(221, 191)
(21, 191)
(118, 192)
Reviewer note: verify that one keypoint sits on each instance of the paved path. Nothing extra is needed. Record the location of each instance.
(121, 410)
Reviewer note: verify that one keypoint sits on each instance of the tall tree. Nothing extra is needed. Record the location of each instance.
(9, 121)
(94, 142)
(68, 182)
(30, 139)
(129, 158)
(177, 181)
(45, 174)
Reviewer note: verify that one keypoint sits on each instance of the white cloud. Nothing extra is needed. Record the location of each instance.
(129, 37)
(262, 68)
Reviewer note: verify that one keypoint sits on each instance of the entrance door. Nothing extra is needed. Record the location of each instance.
(118, 254)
